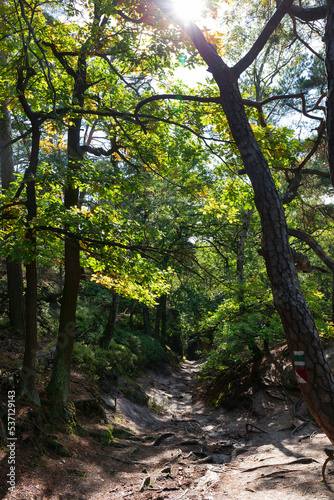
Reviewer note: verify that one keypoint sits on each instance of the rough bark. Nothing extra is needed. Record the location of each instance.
(60, 379)
(317, 383)
(308, 14)
(58, 388)
(314, 376)
(30, 352)
(329, 60)
(14, 268)
(110, 326)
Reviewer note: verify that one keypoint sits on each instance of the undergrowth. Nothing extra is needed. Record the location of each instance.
(128, 353)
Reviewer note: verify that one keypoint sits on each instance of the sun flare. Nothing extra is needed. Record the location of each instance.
(188, 10)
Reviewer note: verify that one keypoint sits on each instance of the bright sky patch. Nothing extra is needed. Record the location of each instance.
(188, 10)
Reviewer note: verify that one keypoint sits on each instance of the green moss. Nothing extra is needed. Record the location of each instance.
(59, 448)
(120, 433)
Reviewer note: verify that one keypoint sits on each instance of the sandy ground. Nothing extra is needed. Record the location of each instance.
(181, 449)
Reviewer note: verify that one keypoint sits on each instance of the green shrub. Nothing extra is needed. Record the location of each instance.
(152, 349)
(126, 353)
(94, 360)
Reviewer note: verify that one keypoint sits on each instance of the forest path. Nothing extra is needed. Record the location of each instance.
(213, 454)
(181, 449)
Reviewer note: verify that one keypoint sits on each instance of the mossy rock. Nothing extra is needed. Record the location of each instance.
(104, 436)
(58, 447)
(91, 406)
(120, 433)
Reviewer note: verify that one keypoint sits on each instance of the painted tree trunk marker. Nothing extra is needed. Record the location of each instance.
(299, 362)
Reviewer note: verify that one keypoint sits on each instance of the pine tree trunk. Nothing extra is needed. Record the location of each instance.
(58, 388)
(160, 326)
(314, 376)
(329, 44)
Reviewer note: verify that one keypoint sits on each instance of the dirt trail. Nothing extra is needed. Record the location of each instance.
(183, 450)
(229, 454)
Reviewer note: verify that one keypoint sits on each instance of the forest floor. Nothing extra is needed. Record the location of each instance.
(176, 448)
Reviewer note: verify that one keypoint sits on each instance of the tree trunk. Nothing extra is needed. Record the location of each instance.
(14, 268)
(146, 320)
(131, 315)
(241, 252)
(249, 339)
(163, 305)
(110, 326)
(58, 388)
(29, 360)
(157, 321)
(16, 295)
(312, 371)
(160, 327)
(329, 60)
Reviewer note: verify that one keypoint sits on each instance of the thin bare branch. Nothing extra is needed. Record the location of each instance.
(303, 41)
(282, 8)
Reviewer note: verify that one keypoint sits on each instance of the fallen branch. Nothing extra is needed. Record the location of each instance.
(277, 473)
(303, 460)
(250, 427)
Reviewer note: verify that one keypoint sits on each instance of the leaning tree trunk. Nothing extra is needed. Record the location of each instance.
(312, 371)
(329, 43)
(314, 376)
(14, 268)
